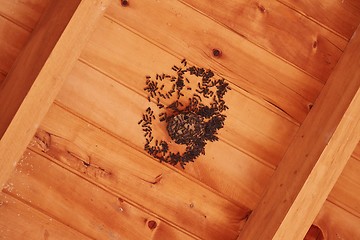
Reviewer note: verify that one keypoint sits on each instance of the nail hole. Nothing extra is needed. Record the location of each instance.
(152, 224)
(261, 8)
(310, 106)
(216, 52)
(315, 44)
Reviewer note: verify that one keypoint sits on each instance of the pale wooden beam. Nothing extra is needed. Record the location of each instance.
(38, 73)
(315, 158)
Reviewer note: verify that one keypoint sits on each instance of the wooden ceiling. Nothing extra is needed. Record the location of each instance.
(72, 160)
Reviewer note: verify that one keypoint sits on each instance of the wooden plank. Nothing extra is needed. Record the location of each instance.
(2, 77)
(18, 221)
(308, 45)
(12, 39)
(346, 192)
(25, 13)
(39, 71)
(342, 17)
(356, 153)
(79, 204)
(117, 110)
(336, 223)
(315, 158)
(243, 63)
(131, 174)
(245, 127)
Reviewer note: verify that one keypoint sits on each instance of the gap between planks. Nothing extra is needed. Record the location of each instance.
(258, 159)
(314, 20)
(260, 46)
(17, 23)
(343, 207)
(32, 219)
(108, 190)
(7, 193)
(188, 176)
(272, 107)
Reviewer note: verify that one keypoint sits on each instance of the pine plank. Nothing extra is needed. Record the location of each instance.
(12, 39)
(19, 221)
(315, 158)
(270, 25)
(245, 127)
(243, 63)
(81, 205)
(115, 108)
(336, 223)
(356, 153)
(154, 186)
(342, 17)
(346, 192)
(2, 77)
(25, 13)
(39, 71)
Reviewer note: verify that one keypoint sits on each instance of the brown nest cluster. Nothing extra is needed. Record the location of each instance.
(192, 116)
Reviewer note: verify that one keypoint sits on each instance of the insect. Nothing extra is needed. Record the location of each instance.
(192, 122)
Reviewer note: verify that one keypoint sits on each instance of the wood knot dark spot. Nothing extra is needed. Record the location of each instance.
(216, 52)
(152, 224)
(124, 3)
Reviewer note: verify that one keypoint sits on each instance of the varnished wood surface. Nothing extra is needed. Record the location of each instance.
(243, 63)
(25, 13)
(309, 46)
(267, 140)
(255, 146)
(315, 158)
(81, 205)
(335, 223)
(19, 221)
(346, 191)
(234, 179)
(342, 17)
(356, 153)
(12, 39)
(135, 176)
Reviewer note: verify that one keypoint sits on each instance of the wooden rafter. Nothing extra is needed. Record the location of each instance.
(315, 158)
(37, 75)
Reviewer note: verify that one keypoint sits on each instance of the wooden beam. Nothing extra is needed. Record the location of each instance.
(38, 73)
(315, 158)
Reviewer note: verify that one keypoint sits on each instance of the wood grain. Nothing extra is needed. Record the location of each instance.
(117, 110)
(81, 205)
(19, 221)
(25, 13)
(346, 192)
(356, 153)
(39, 72)
(12, 39)
(245, 127)
(315, 158)
(343, 17)
(133, 175)
(270, 25)
(336, 223)
(243, 63)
